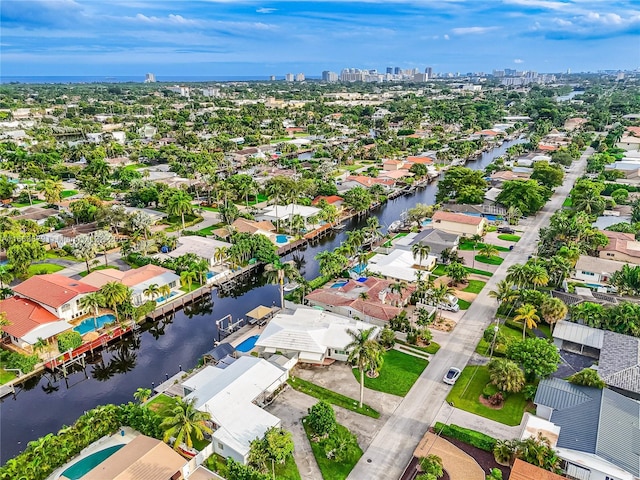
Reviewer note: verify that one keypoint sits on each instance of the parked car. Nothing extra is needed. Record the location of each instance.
(451, 376)
(506, 230)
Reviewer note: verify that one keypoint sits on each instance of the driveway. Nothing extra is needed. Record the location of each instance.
(392, 448)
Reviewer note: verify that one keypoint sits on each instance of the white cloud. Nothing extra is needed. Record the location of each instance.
(445, 36)
(473, 30)
(266, 10)
(518, 60)
(170, 19)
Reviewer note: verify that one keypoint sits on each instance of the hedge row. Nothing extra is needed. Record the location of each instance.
(476, 439)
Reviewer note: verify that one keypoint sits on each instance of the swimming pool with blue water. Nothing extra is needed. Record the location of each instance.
(92, 323)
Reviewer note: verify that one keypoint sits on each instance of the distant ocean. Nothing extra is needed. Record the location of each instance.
(133, 79)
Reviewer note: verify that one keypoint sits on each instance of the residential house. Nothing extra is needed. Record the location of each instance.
(424, 160)
(630, 168)
(436, 240)
(574, 337)
(284, 213)
(138, 279)
(599, 429)
(202, 247)
(400, 264)
(596, 271)
(56, 293)
(391, 165)
(368, 182)
(233, 396)
(622, 247)
(311, 335)
(458, 223)
(571, 124)
(37, 214)
(29, 322)
(629, 143)
(335, 200)
(144, 457)
(346, 298)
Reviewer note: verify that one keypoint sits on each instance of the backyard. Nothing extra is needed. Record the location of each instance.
(466, 392)
(398, 373)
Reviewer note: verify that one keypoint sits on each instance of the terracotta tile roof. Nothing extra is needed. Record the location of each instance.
(622, 243)
(525, 471)
(547, 148)
(423, 160)
(369, 181)
(456, 218)
(130, 278)
(53, 289)
(331, 199)
(24, 315)
(395, 174)
(249, 226)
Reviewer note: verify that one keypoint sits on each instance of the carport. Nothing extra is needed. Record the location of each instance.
(577, 338)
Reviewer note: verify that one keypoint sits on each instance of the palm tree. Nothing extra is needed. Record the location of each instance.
(439, 295)
(5, 276)
(187, 277)
(488, 250)
(142, 395)
(51, 189)
(506, 375)
(152, 291)
(183, 422)
(220, 254)
(527, 314)
(114, 294)
(537, 275)
(553, 310)
(517, 274)
(278, 272)
(92, 301)
(362, 349)
(420, 251)
(179, 203)
(165, 291)
(505, 292)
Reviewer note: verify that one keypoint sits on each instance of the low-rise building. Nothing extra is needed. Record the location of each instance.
(596, 271)
(622, 247)
(436, 240)
(310, 335)
(458, 223)
(400, 264)
(204, 248)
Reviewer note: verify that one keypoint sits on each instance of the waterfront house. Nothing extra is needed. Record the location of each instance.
(622, 247)
(234, 395)
(29, 322)
(458, 223)
(138, 279)
(142, 458)
(400, 264)
(202, 247)
(378, 306)
(599, 429)
(310, 335)
(436, 240)
(284, 213)
(56, 293)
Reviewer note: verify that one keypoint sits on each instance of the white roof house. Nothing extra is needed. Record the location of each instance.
(399, 264)
(314, 335)
(284, 212)
(200, 246)
(228, 395)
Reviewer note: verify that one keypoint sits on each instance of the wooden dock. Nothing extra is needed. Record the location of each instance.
(170, 307)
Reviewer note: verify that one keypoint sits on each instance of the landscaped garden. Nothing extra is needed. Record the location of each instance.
(492, 260)
(507, 237)
(470, 387)
(474, 286)
(397, 375)
(331, 397)
(479, 246)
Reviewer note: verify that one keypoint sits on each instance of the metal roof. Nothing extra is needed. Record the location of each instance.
(220, 351)
(580, 334)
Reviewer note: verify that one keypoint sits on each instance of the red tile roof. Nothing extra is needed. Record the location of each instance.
(24, 315)
(130, 278)
(618, 242)
(53, 289)
(547, 148)
(634, 130)
(456, 218)
(423, 160)
(369, 181)
(330, 199)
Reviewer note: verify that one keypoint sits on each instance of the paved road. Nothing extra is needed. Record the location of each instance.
(393, 447)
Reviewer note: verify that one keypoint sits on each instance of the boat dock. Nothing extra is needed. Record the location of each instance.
(173, 305)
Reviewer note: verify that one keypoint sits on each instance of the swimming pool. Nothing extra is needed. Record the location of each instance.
(248, 344)
(338, 284)
(282, 239)
(359, 268)
(90, 324)
(80, 469)
(163, 298)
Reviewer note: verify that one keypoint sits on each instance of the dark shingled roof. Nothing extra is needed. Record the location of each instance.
(600, 422)
(436, 239)
(220, 351)
(619, 364)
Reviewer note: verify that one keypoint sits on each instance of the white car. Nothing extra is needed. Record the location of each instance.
(451, 376)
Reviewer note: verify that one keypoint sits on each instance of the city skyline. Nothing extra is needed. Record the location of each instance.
(220, 37)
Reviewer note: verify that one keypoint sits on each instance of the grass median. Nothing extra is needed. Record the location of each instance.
(331, 397)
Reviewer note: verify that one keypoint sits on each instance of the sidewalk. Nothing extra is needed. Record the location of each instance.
(450, 415)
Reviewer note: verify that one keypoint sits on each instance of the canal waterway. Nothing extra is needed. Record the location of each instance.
(158, 351)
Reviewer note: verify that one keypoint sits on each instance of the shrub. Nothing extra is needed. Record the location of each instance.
(587, 377)
(476, 439)
(496, 399)
(322, 419)
(529, 391)
(69, 341)
(489, 390)
(25, 363)
(412, 337)
(387, 338)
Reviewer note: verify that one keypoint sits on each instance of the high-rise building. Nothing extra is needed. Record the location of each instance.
(397, 71)
(389, 69)
(429, 72)
(272, 78)
(150, 78)
(328, 76)
(300, 77)
(289, 77)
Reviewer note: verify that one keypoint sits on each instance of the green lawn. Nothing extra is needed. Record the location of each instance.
(331, 469)
(568, 202)
(492, 260)
(432, 348)
(467, 390)
(35, 201)
(68, 193)
(43, 268)
(135, 166)
(161, 404)
(478, 272)
(99, 267)
(398, 373)
(475, 286)
(463, 304)
(469, 246)
(511, 335)
(286, 471)
(210, 209)
(440, 270)
(194, 286)
(6, 376)
(332, 397)
(60, 254)
(208, 230)
(507, 237)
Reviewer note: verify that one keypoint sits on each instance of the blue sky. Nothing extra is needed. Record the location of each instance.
(236, 37)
